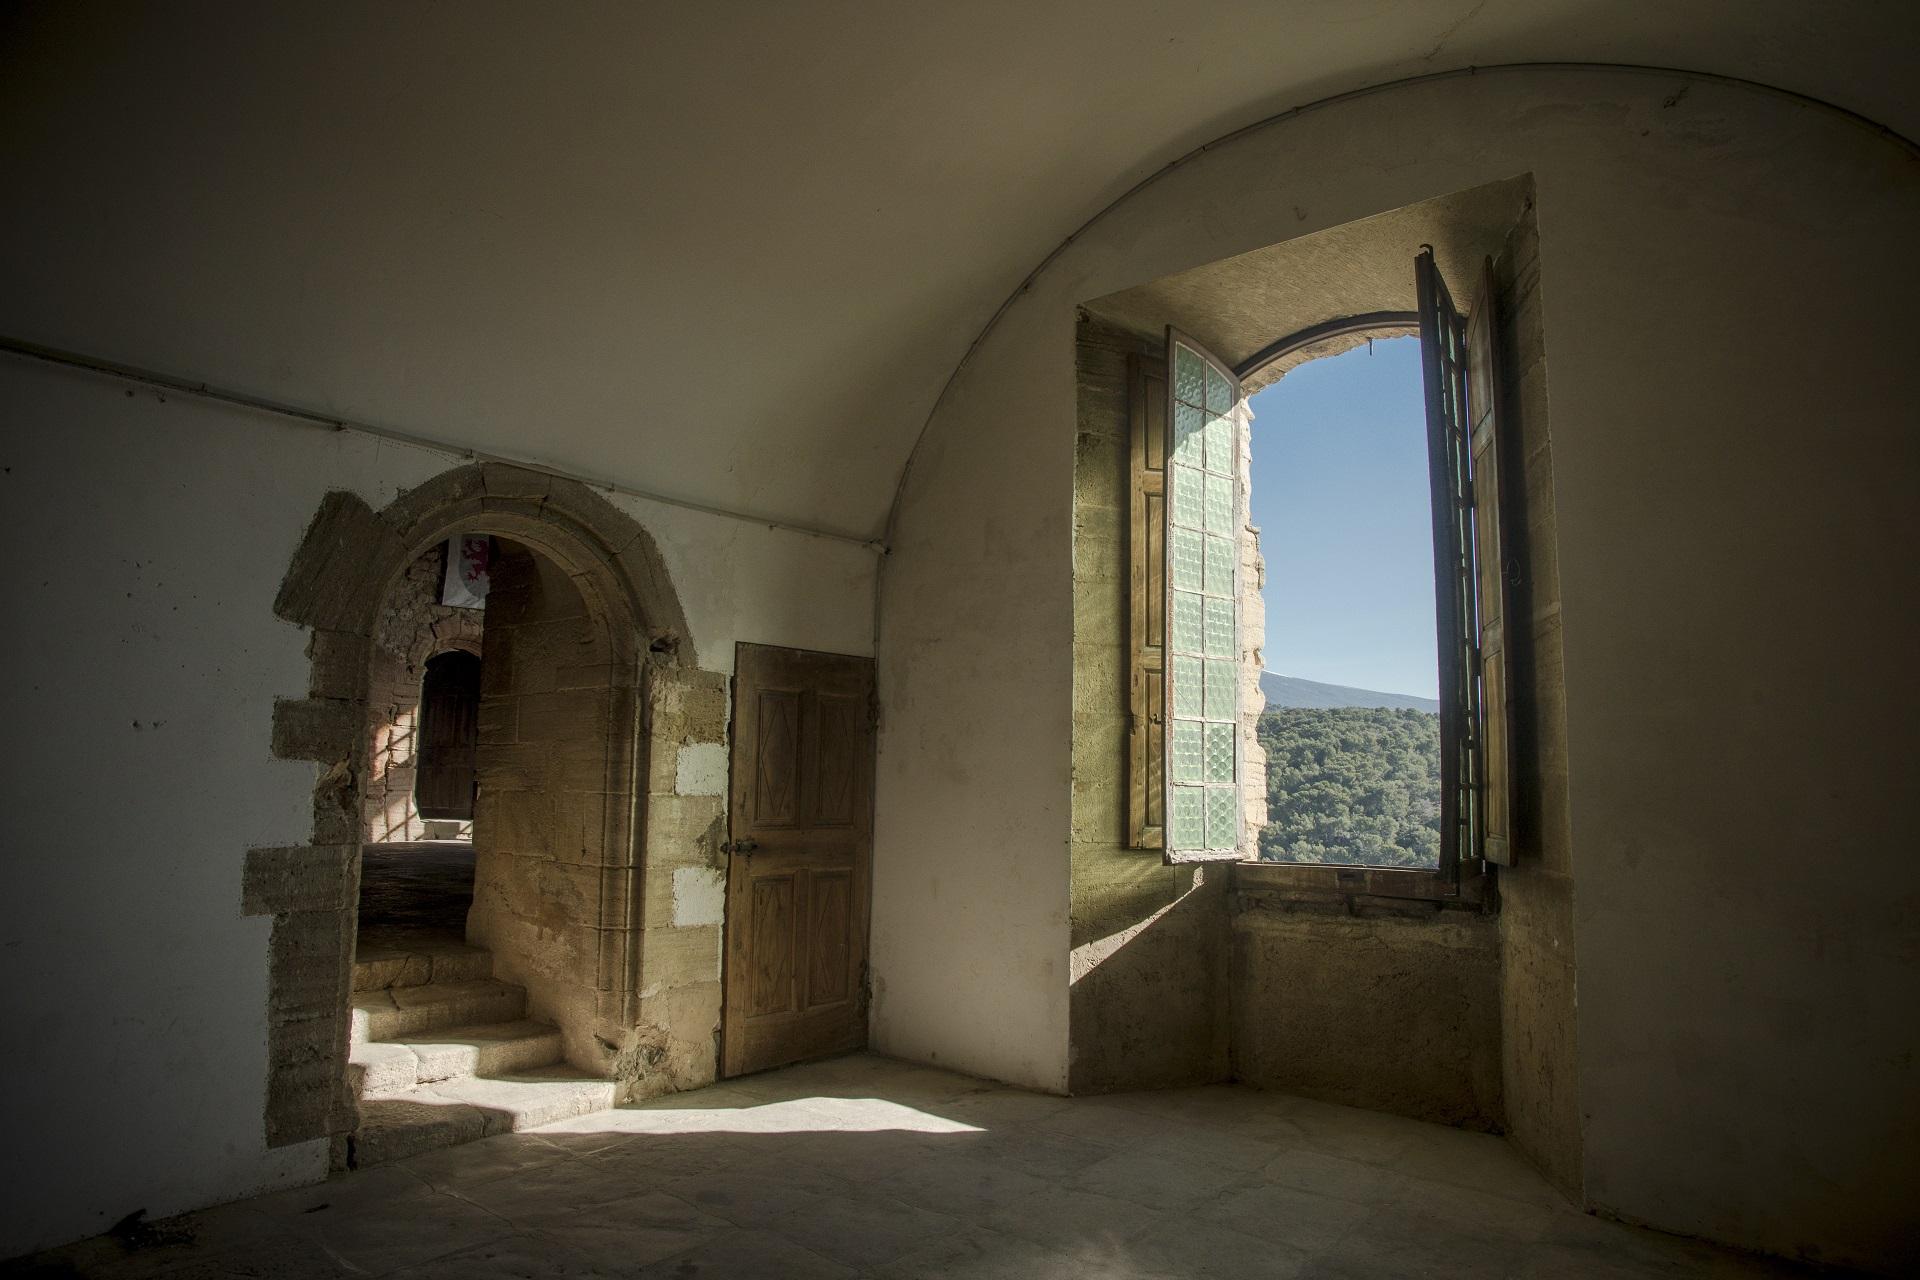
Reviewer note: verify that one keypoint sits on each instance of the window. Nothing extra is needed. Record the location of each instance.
(1188, 757)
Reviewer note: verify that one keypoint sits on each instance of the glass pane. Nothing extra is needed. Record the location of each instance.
(1187, 435)
(1189, 822)
(1187, 499)
(1219, 752)
(1219, 577)
(1187, 748)
(1221, 679)
(1189, 375)
(1222, 830)
(1219, 444)
(1219, 631)
(1219, 504)
(1183, 560)
(1186, 623)
(1219, 391)
(1186, 687)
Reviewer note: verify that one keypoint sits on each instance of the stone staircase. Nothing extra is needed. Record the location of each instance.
(444, 1054)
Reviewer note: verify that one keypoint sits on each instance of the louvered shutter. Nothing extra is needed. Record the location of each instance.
(1494, 574)
(1146, 613)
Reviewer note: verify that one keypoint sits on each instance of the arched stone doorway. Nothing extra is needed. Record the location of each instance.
(569, 924)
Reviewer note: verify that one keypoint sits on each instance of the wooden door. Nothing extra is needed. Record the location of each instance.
(449, 730)
(801, 819)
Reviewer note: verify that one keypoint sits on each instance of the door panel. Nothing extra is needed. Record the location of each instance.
(775, 927)
(800, 813)
(448, 733)
(830, 908)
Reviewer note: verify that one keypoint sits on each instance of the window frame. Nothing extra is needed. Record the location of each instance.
(1461, 879)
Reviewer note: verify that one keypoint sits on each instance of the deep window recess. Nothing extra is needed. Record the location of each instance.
(1186, 519)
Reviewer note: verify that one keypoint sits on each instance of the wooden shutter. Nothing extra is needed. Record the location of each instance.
(1494, 573)
(1205, 521)
(1443, 365)
(1146, 613)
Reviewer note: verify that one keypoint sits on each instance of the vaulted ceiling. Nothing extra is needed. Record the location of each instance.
(726, 252)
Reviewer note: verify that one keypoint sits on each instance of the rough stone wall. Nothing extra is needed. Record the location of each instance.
(1536, 914)
(1253, 648)
(1392, 1006)
(1149, 961)
(673, 1042)
(542, 819)
(413, 627)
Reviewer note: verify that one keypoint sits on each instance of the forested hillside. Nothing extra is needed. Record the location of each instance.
(1356, 785)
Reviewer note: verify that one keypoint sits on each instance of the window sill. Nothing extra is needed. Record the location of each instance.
(1359, 889)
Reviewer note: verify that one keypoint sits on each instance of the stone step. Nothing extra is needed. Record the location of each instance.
(377, 967)
(385, 1068)
(451, 1112)
(402, 1013)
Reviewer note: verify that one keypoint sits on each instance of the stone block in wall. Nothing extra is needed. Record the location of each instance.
(524, 765)
(336, 818)
(504, 480)
(674, 1044)
(686, 704)
(685, 830)
(330, 584)
(541, 650)
(564, 716)
(499, 719)
(339, 663)
(309, 956)
(678, 956)
(322, 729)
(302, 878)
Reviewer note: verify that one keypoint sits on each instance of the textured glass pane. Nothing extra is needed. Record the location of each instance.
(1219, 631)
(1187, 700)
(1184, 560)
(1219, 576)
(1221, 679)
(1188, 498)
(1220, 444)
(1189, 439)
(1189, 829)
(1219, 753)
(1222, 830)
(1187, 749)
(1189, 375)
(1219, 391)
(1219, 504)
(1186, 623)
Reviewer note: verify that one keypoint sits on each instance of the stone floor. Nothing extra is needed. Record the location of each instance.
(415, 894)
(862, 1166)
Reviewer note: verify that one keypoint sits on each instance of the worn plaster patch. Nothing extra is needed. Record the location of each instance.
(702, 770)
(699, 896)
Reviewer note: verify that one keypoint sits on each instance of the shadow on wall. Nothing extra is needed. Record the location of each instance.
(1149, 1000)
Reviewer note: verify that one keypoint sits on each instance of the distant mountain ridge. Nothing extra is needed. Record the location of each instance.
(1292, 691)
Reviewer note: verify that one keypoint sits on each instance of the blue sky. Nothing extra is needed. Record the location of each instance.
(1340, 496)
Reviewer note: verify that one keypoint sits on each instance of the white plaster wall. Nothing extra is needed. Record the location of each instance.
(142, 540)
(1726, 278)
(970, 940)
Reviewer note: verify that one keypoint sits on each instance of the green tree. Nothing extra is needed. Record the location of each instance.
(1352, 785)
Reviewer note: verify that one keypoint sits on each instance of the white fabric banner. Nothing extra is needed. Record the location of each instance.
(465, 585)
